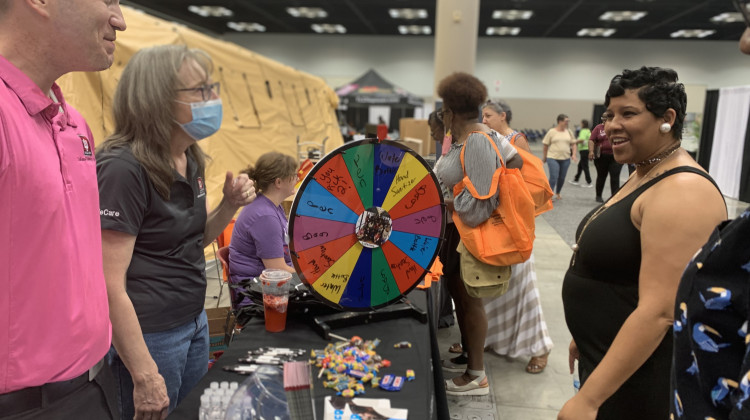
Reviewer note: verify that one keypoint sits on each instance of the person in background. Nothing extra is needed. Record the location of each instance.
(54, 325)
(583, 148)
(516, 326)
(155, 224)
(462, 96)
(711, 361)
(600, 151)
(260, 237)
(445, 311)
(619, 291)
(559, 146)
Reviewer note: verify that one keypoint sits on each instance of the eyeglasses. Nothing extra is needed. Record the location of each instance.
(741, 6)
(205, 90)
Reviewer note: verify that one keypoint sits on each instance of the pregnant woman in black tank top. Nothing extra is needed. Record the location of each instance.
(619, 291)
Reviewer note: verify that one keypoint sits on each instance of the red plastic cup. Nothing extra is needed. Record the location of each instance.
(275, 283)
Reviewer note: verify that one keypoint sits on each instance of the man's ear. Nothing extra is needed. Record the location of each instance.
(41, 7)
(745, 41)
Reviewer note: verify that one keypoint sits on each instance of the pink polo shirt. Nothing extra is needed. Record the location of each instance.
(54, 315)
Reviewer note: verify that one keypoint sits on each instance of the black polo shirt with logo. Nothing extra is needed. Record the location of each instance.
(166, 278)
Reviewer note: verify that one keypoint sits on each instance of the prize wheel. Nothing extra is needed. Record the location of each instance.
(366, 224)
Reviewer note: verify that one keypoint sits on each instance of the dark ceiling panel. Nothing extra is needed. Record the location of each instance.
(552, 18)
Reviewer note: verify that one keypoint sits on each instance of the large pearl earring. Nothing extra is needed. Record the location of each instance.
(665, 128)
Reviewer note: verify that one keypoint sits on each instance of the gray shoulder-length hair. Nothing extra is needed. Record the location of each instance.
(143, 108)
(500, 106)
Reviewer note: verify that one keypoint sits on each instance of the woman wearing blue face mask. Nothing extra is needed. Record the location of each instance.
(155, 224)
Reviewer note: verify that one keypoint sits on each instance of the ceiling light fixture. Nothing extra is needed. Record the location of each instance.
(408, 13)
(512, 14)
(210, 11)
(328, 28)
(503, 30)
(728, 17)
(307, 12)
(246, 26)
(692, 33)
(596, 32)
(414, 29)
(625, 15)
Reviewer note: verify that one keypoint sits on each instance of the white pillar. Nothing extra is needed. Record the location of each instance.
(456, 30)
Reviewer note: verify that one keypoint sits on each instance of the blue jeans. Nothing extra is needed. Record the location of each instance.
(558, 168)
(181, 355)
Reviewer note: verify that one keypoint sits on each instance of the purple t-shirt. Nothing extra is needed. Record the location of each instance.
(259, 232)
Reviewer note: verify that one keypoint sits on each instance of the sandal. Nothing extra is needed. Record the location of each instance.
(456, 364)
(537, 364)
(473, 387)
(456, 348)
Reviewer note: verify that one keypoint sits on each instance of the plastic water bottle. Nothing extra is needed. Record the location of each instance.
(260, 396)
(205, 404)
(215, 410)
(576, 379)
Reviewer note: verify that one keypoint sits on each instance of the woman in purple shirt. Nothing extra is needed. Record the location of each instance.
(260, 238)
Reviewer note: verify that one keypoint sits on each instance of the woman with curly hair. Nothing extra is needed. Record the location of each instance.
(462, 95)
(619, 291)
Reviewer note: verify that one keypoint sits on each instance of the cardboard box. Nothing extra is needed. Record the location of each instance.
(221, 323)
(414, 144)
(418, 129)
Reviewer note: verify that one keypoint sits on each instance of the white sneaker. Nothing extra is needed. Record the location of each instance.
(574, 182)
(588, 185)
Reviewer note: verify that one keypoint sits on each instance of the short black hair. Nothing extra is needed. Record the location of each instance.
(657, 88)
(561, 117)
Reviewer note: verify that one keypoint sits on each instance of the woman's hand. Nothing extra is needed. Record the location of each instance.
(238, 191)
(573, 355)
(578, 408)
(591, 155)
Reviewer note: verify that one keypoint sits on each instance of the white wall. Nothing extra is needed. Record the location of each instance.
(536, 72)
(526, 67)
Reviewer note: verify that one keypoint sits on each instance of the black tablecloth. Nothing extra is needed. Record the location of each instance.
(418, 396)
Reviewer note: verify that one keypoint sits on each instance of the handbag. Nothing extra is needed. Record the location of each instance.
(482, 280)
(535, 179)
(507, 236)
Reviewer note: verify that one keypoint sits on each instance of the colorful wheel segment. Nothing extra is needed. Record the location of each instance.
(366, 224)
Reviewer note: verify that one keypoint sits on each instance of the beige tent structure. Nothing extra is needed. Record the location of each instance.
(267, 105)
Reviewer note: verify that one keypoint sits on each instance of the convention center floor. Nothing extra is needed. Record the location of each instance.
(515, 394)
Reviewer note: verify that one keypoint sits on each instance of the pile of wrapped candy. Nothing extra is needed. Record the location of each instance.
(349, 365)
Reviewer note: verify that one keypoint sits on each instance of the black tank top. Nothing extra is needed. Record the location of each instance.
(600, 291)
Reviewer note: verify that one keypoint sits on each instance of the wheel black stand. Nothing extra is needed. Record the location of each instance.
(323, 324)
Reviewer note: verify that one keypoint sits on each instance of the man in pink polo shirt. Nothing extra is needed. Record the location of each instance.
(54, 320)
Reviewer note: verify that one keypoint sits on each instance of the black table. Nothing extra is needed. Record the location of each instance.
(424, 397)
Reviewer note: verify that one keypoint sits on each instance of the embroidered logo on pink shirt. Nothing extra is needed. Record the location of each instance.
(86, 145)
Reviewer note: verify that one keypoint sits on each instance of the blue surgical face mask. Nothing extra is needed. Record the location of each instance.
(206, 118)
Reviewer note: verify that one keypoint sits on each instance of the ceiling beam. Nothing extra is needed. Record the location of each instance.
(360, 16)
(672, 19)
(562, 18)
(262, 13)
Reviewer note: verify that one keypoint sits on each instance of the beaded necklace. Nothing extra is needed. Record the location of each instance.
(658, 158)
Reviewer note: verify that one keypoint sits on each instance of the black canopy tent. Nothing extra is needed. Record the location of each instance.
(370, 89)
